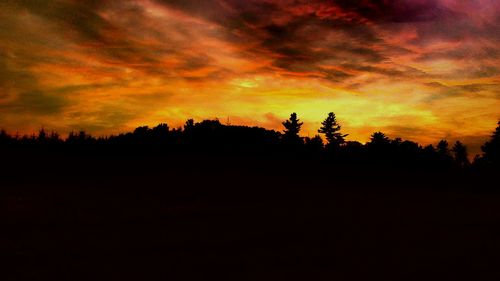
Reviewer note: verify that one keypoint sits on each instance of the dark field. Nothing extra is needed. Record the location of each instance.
(202, 217)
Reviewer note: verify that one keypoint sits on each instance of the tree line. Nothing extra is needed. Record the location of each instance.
(213, 136)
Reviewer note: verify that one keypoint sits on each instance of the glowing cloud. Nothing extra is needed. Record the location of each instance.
(416, 69)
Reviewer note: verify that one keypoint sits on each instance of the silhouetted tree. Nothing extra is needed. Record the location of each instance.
(292, 129)
(212, 136)
(160, 134)
(188, 133)
(189, 125)
(443, 151)
(161, 129)
(491, 149)
(79, 138)
(429, 150)
(331, 129)
(408, 148)
(353, 148)
(141, 131)
(460, 154)
(292, 126)
(379, 149)
(396, 142)
(54, 136)
(429, 156)
(5, 139)
(42, 136)
(314, 144)
(379, 139)
(443, 148)
(4, 135)
(354, 144)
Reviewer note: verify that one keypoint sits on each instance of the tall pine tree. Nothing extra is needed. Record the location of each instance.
(331, 129)
(460, 154)
(491, 148)
(292, 130)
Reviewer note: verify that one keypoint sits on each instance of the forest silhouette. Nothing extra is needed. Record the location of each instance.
(212, 201)
(211, 136)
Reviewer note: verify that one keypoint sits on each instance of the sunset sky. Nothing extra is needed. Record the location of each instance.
(417, 69)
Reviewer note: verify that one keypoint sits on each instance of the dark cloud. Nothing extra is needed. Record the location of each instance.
(83, 23)
(395, 72)
(11, 79)
(484, 71)
(196, 62)
(297, 43)
(473, 90)
(19, 92)
(70, 15)
(471, 71)
(105, 119)
(111, 117)
(395, 11)
(436, 85)
(299, 36)
(462, 53)
(336, 75)
(79, 59)
(409, 131)
(36, 103)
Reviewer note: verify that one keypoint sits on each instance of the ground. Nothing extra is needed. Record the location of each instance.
(208, 218)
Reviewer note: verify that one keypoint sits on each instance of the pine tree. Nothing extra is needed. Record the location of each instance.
(460, 154)
(42, 136)
(292, 126)
(443, 153)
(314, 144)
(331, 129)
(491, 148)
(189, 125)
(379, 139)
(292, 130)
(443, 149)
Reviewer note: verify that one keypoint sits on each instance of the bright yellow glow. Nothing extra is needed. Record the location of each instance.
(132, 63)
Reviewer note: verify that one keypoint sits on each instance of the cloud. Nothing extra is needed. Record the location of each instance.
(35, 103)
(474, 90)
(80, 17)
(20, 92)
(13, 80)
(395, 11)
(297, 41)
(111, 65)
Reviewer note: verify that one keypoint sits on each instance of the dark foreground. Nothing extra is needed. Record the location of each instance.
(209, 218)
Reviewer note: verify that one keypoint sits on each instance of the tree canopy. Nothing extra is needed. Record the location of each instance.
(331, 129)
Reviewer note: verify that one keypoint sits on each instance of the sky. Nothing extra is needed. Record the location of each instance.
(422, 70)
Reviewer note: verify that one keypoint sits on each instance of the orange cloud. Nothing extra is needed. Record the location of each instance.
(423, 70)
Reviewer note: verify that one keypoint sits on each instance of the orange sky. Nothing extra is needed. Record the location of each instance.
(417, 69)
